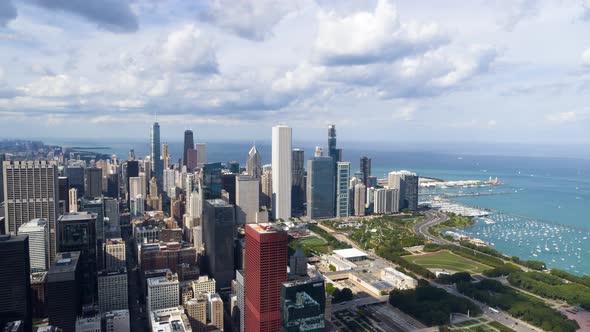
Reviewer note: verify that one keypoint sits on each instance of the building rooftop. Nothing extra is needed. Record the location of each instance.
(169, 320)
(12, 238)
(115, 241)
(266, 228)
(218, 202)
(350, 253)
(77, 216)
(65, 262)
(117, 313)
(33, 225)
(162, 280)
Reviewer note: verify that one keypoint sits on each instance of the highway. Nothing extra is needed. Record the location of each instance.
(432, 218)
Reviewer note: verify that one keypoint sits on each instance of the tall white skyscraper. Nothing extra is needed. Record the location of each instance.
(281, 172)
(342, 198)
(247, 199)
(38, 232)
(73, 193)
(201, 154)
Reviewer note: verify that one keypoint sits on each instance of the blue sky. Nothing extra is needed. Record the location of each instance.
(387, 71)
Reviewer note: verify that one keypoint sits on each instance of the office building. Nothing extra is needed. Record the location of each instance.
(39, 294)
(117, 321)
(38, 232)
(89, 322)
(131, 171)
(166, 159)
(30, 192)
(233, 167)
(320, 188)
(298, 263)
(113, 185)
(342, 197)
(155, 155)
(2, 159)
(63, 297)
(163, 292)
(96, 207)
(303, 304)
(77, 232)
(169, 320)
(75, 173)
(297, 182)
(360, 196)
(281, 172)
(266, 189)
(63, 192)
(112, 290)
(386, 200)
(92, 182)
(215, 311)
(203, 284)
(254, 164)
(241, 297)
(166, 256)
(211, 182)
(365, 169)
(266, 269)
(196, 311)
(189, 144)
(247, 199)
(407, 184)
(228, 184)
(192, 160)
(73, 198)
(201, 154)
(115, 259)
(112, 221)
(218, 238)
(15, 282)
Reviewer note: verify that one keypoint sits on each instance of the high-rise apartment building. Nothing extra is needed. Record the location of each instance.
(386, 200)
(281, 172)
(38, 232)
(342, 197)
(247, 199)
(15, 283)
(155, 155)
(266, 269)
(30, 192)
(297, 181)
(365, 169)
(218, 238)
(189, 144)
(360, 197)
(407, 184)
(320, 188)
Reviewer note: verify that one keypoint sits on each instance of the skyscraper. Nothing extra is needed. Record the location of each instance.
(342, 197)
(266, 189)
(266, 270)
(201, 154)
(113, 185)
(360, 198)
(218, 237)
(2, 159)
(254, 164)
(407, 184)
(75, 174)
(73, 197)
(38, 232)
(63, 294)
(15, 282)
(31, 192)
(191, 160)
(320, 188)
(303, 303)
(62, 192)
(92, 182)
(281, 172)
(365, 169)
(297, 181)
(386, 200)
(333, 152)
(211, 180)
(247, 199)
(155, 156)
(189, 144)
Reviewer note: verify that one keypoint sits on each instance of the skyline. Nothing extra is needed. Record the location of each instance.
(306, 63)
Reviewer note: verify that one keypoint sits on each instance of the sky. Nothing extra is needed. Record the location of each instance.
(490, 71)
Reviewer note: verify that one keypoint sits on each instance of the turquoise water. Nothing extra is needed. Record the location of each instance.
(553, 194)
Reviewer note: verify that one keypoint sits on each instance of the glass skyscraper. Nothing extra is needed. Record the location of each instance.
(156, 153)
(320, 188)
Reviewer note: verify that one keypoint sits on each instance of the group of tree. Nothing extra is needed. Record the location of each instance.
(407, 265)
(332, 241)
(431, 305)
(534, 265)
(341, 295)
(527, 308)
(449, 279)
(502, 271)
(553, 287)
(582, 280)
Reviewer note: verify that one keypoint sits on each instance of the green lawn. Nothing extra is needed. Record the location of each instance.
(445, 260)
(310, 244)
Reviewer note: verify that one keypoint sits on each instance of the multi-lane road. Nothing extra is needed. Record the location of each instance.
(432, 218)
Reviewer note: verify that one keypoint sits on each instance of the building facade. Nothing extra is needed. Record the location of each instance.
(321, 187)
(281, 172)
(342, 197)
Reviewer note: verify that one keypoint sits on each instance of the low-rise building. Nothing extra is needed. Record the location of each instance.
(397, 279)
(117, 321)
(171, 319)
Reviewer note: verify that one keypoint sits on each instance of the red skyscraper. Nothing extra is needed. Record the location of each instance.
(266, 268)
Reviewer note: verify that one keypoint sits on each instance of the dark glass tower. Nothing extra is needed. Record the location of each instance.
(218, 237)
(297, 182)
(303, 303)
(63, 191)
(15, 283)
(321, 188)
(156, 154)
(63, 291)
(365, 169)
(211, 180)
(189, 144)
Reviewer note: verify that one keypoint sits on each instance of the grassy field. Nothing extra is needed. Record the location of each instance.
(310, 244)
(444, 260)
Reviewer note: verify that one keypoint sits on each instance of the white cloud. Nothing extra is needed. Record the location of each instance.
(188, 49)
(404, 113)
(517, 11)
(61, 86)
(301, 78)
(369, 37)
(250, 19)
(563, 117)
(586, 57)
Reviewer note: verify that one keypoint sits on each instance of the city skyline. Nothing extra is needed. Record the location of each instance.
(252, 67)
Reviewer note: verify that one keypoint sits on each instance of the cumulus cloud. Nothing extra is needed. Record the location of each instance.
(370, 37)
(250, 19)
(187, 49)
(61, 86)
(299, 79)
(586, 57)
(517, 11)
(563, 117)
(7, 12)
(111, 15)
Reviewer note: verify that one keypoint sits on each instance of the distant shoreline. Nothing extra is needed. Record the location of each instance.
(90, 148)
